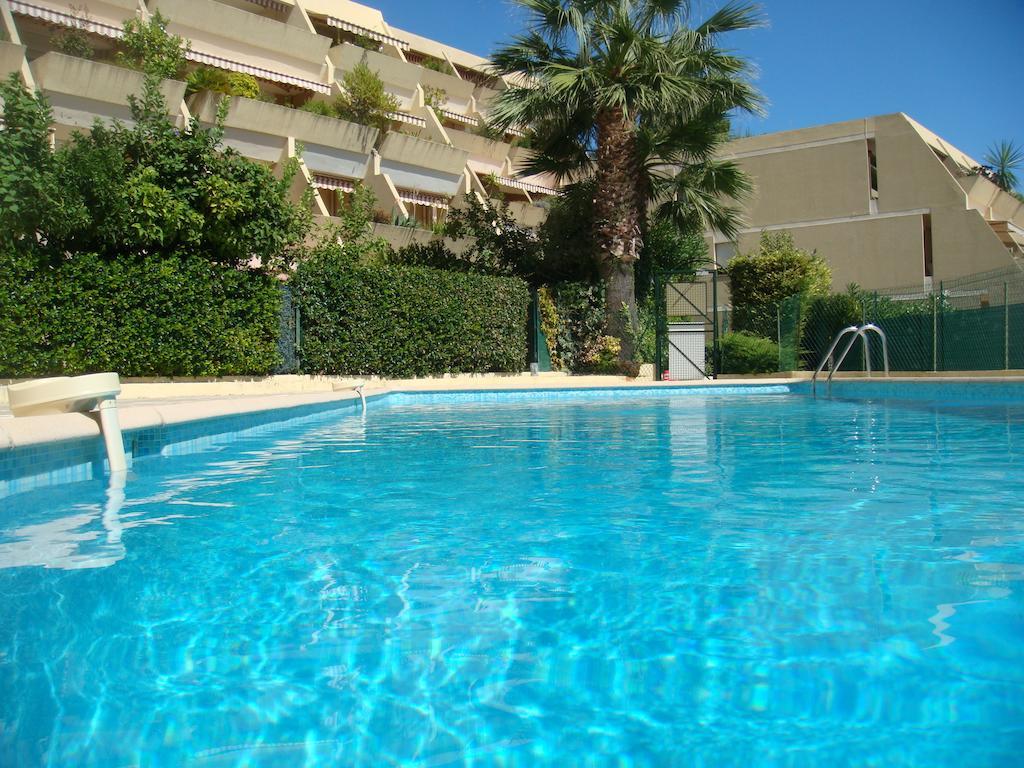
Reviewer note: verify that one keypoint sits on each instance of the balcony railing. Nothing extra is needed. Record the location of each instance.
(232, 36)
(83, 80)
(330, 146)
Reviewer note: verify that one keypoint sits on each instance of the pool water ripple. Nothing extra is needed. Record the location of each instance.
(688, 580)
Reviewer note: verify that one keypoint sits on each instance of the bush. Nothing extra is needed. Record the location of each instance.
(364, 99)
(219, 81)
(172, 315)
(148, 47)
(760, 281)
(744, 352)
(573, 320)
(407, 321)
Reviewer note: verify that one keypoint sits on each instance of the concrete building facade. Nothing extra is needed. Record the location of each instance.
(436, 149)
(883, 200)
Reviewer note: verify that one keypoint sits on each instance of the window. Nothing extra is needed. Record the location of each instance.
(926, 232)
(872, 177)
(724, 253)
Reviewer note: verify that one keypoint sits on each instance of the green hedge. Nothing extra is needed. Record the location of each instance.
(743, 352)
(157, 316)
(408, 321)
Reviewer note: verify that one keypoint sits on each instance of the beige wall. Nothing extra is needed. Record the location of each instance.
(874, 253)
(819, 182)
(815, 183)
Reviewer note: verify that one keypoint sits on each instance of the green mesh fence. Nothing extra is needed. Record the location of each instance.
(974, 323)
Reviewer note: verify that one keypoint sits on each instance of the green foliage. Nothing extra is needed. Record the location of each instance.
(321, 108)
(744, 352)
(760, 281)
(364, 99)
(30, 196)
(669, 252)
(147, 47)
(74, 40)
(364, 42)
(165, 315)
(568, 235)
(354, 228)
(572, 316)
(436, 65)
(141, 249)
(499, 245)
(1005, 158)
(407, 321)
(434, 98)
(220, 81)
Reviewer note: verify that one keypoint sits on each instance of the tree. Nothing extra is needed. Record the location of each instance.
(1005, 158)
(364, 99)
(627, 91)
(778, 270)
(148, 47)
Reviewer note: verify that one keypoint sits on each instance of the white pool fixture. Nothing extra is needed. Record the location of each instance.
(76, 394)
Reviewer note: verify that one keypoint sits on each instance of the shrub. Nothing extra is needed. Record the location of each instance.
(364, 99)
(133, 248)
(760, 281)
(147, 47)
(219, 81)
(573, 319)
(74, 40)
(162, 315)
(744, 352)
(407, 321)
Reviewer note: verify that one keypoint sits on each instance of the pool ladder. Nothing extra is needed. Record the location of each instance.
(854, 332)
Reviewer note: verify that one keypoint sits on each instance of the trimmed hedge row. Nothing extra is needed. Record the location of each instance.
(156, 316)
(408, 321)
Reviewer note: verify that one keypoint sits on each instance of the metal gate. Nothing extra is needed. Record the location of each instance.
(705, 300)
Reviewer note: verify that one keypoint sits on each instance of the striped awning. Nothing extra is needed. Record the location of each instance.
(380, 37)
(264, 74)
(526, 186)
(402, 117)
(333, 182)
(272, 5)
(420, 198)
(516, 132)
(464, 119)
(66, 19)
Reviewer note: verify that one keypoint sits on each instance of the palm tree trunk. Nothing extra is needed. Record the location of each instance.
(616, 230)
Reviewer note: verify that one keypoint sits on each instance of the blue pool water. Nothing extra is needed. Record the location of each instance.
(662, 580)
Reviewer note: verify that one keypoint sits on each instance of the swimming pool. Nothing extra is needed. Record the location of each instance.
(629, 579)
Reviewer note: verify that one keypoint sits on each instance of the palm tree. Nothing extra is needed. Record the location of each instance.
(626, 91)
(1004, 159)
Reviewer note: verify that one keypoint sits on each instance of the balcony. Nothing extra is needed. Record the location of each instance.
(11, 58)
(234, 39)
(400, 78)
(259, 129)
(80, 90)
(421, 165)
(485, 156)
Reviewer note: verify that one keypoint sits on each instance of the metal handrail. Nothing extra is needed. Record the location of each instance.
(858, 332)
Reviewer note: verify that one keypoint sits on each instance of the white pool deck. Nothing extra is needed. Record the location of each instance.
(153, 403)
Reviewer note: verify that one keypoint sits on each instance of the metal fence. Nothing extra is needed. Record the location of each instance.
(704, 299)
(972, 323)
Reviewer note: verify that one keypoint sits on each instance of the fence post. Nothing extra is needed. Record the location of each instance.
(942, 296)
(715, 355)
(659, 317)
(935, 334)
(1006, 326)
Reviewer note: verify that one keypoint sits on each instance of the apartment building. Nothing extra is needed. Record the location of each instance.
(883, 200)
(436, 149)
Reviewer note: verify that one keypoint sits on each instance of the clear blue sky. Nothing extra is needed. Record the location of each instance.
(953, 65)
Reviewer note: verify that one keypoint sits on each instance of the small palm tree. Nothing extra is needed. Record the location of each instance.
(626, 91)
(1004, 158)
